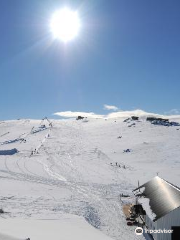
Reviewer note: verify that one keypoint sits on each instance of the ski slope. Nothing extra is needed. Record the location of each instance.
(80, 168)
(69, 227)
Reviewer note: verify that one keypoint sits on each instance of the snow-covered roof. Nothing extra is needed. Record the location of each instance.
(163, 197)
(146, 206)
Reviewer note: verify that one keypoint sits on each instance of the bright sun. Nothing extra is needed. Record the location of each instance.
(65, 24)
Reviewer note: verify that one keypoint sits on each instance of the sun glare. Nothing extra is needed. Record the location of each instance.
(65, 24)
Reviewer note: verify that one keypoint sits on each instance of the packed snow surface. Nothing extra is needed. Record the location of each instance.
(67, 228)
(80, 168)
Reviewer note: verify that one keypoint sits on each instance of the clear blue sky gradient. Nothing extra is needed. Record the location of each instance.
(127, 55)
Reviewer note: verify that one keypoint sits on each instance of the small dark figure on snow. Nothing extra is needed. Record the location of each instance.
(127, 150)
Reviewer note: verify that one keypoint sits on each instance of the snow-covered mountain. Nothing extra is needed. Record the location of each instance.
(80, 168)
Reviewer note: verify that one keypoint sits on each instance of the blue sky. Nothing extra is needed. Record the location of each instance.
(127, 55)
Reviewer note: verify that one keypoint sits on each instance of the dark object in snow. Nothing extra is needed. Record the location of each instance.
(135, 223)
(135, 118)
(165, 123)
(43, 126)
(126, 120)
(12, 141)
(133, 124)
(27, 239)
(130, 223)
(120, 137)
(174, 124)
(38, 130)
(137, 210)
(124, 195)
(79, 118)
(1, 211)
(23, 140)
(9, 152)
(150, 119)
(162, 122)
(127, 150)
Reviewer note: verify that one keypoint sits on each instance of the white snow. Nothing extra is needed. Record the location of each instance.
(69, 227)
(73, 171)
(146, 206)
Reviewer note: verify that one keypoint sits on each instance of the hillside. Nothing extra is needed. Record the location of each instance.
(81, 168)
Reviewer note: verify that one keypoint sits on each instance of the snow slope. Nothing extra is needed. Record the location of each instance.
(67, 228)
(73, 169)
